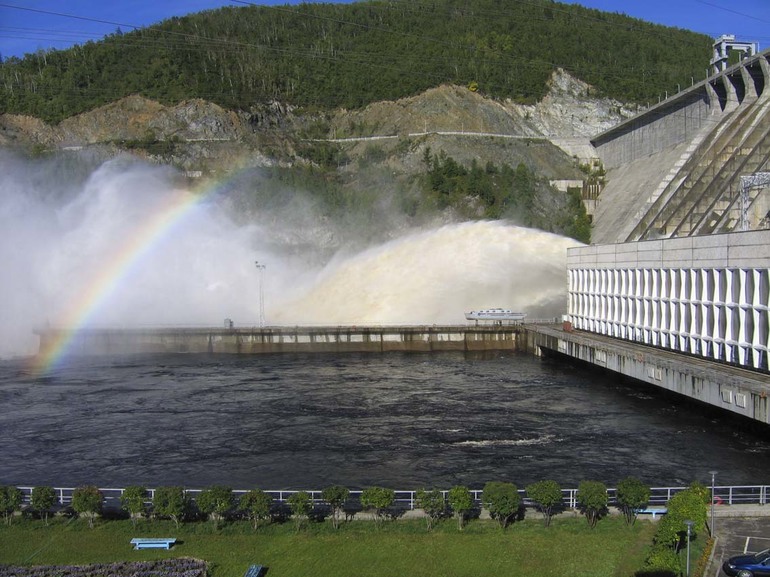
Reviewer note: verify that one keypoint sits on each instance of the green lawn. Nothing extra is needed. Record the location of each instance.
(404, 547)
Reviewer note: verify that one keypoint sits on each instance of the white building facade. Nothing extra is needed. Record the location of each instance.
(706, 296)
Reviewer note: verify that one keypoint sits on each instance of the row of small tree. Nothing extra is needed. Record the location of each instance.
(502, 500)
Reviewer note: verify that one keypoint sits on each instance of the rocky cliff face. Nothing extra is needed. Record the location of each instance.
(376, 154)
(569, 110)
(204, 136)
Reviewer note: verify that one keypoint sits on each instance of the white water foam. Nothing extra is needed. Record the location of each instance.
(543, 440)
(435, 276)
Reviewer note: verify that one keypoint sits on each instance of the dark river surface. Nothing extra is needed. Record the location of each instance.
(403, 421)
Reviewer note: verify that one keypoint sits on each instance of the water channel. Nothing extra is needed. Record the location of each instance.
(404, 421)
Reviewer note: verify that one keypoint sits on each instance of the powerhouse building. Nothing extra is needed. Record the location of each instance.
(705, 296)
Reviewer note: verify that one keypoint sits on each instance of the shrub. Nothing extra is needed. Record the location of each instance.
(592, 500)
(378, 500)
(216, 502)
(257, 504)
(133, 500)
(502, 500)
(687, 505)
(632, 495)
(662, 562)
(300, 507)
(546, 496)
(701, 490)
(42, 500)
(336, 496)
(87, 502)
(461, 502)
(433, 503)
(10, 502)
(170, 502)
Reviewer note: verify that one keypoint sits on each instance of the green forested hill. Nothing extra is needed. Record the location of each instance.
(348, 55)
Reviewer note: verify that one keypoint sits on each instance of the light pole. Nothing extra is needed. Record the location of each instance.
(689, 528)
(261, 268)
(713, 476)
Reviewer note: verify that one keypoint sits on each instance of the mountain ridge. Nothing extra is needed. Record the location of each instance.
(332, 56)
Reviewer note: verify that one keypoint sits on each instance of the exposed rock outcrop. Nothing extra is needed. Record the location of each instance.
(201, 137)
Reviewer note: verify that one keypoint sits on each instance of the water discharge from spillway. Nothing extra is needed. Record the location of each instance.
(434, 276)
(124, 248)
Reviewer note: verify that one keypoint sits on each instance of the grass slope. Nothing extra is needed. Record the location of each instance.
(568, 547)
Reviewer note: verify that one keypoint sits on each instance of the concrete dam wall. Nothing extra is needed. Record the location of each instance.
(675, 169)
(255, 340)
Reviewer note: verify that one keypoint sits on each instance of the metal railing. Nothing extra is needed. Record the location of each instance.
(406, 500)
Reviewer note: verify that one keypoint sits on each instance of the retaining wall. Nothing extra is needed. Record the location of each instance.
(284, 339)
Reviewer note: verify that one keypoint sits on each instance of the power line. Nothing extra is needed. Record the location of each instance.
(63, 15)
(725, 9)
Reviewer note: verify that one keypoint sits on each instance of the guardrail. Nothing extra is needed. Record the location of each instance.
(723, 495)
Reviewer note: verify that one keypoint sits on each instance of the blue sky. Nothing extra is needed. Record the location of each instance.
(29, 25)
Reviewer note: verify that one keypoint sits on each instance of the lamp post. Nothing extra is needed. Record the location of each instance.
(689, 528)
(261, 268)
(713, 476)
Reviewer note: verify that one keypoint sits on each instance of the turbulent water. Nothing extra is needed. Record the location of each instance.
(401, 420)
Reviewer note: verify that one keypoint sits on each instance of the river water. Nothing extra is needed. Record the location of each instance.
(400, 420)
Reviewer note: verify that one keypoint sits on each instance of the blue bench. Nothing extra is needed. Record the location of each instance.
(253, 571)
(153, 543)
(654, 511)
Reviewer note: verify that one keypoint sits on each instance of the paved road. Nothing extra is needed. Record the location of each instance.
(737, 535)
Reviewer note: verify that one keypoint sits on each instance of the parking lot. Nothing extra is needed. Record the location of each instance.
(738, 535)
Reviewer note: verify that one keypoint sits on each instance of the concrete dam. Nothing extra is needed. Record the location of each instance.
(676, 290)
(256, 340)
(676, 169)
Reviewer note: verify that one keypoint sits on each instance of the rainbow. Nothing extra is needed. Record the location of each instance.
(147, 235)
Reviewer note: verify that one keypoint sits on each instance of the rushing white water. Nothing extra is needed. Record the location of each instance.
(58, 240)
(434, 276)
